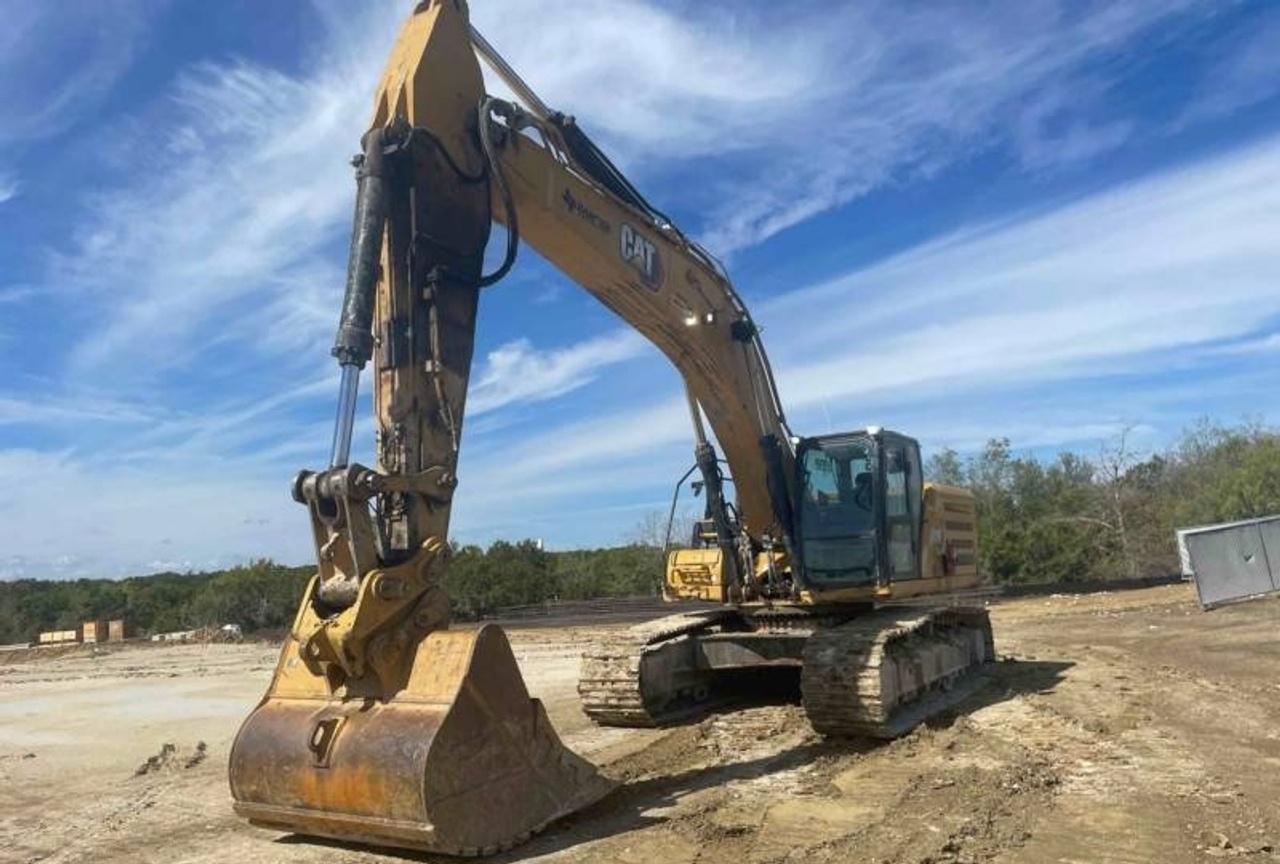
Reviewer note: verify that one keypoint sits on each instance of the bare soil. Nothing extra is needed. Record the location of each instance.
(1123, 727)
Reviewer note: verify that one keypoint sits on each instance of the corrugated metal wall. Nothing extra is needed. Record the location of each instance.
(1235, 560)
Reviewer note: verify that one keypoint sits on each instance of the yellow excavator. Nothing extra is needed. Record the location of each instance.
(381, 724)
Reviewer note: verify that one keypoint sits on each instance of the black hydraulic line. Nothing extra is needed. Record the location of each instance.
(775, 479)
(771, 382)
(671, 515)
(704, 455)
(504, 192)
(420, 134)
(592, 159)
(717, 509)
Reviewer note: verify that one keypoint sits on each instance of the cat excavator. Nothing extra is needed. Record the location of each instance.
(384, 726)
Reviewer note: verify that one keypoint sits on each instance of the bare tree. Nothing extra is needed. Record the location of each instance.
(651, 529)
(1115, 459)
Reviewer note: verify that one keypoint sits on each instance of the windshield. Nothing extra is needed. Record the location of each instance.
(837, 518)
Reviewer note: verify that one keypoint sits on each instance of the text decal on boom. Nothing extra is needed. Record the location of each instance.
(642, 254)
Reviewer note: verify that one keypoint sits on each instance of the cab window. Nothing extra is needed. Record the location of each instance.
(837, 514)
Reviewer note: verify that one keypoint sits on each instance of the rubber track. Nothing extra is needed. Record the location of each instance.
(609, 685)
(840, 684)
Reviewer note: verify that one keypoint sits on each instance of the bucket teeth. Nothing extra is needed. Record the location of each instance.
(460, 761)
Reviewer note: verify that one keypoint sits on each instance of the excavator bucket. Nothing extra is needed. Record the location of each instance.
(460, 760)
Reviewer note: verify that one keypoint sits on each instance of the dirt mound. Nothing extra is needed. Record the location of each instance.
(169, 759)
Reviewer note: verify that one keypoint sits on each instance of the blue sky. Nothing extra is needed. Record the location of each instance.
(1046, 220)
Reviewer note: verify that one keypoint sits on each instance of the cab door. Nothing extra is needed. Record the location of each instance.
(901, 496)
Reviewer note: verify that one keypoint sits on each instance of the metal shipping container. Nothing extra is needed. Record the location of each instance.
(1234, 560)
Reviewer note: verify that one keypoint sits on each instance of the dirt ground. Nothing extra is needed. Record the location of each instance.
(1123, 727)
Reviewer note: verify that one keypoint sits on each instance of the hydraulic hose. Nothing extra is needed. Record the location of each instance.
(504, 192)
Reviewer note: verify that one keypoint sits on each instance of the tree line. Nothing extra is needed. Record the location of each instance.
(1111, 515)
(1074, 518)
(263, 596)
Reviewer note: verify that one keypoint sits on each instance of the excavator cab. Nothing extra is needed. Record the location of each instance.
(857, 522)
(859, 517)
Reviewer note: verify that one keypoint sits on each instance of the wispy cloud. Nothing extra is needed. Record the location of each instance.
(9, 187)
(575, 464)
(1269, 344)
(1120, 284)
(17, 293)
(235, 222)
(56, 63)
(1093, 287)
(233, 428)
(42, 411)
(1245, 70)
(1049, 131)
(517, 372)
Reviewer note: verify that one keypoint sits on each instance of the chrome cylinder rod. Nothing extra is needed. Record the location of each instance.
(695, 413)
(503, 70)
(340, 454)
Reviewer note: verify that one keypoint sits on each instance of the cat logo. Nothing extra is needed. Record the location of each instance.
(640, 253)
